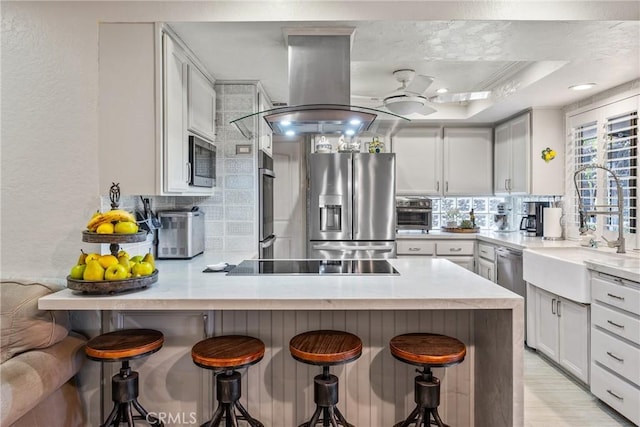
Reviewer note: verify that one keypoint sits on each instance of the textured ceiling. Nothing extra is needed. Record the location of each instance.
(526, 63)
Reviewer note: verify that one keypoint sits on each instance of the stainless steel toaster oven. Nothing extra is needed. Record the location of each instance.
(414, 213)
(181, 234)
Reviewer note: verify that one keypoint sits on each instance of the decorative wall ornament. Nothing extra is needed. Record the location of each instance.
(548, 154)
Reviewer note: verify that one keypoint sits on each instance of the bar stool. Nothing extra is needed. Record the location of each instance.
(325, 348)
(428, 351)
(223, 355)
(123, 346)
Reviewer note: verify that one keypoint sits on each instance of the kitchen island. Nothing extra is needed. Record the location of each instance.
(429, 295)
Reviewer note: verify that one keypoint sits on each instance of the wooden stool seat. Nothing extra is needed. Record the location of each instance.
(325, 347)
(428, 349)
(227, 352)
(125, 344)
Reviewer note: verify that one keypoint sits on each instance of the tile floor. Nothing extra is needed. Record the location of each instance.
(552, 399)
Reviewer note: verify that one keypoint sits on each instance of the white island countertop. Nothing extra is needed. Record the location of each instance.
(423, 283)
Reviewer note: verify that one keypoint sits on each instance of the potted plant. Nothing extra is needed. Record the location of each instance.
(452, 216)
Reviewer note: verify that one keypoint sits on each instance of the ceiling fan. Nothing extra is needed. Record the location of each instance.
(409, 97)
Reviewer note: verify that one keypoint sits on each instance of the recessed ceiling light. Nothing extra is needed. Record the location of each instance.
(582, 86)
(442, 90)
(355, 122)
(289, 133)
(285, 123)
(350, 132)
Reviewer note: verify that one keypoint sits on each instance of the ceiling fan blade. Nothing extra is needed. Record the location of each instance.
(366, 97)
(419, 84)
(460, 97)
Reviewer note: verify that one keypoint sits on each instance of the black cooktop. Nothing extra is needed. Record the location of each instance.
(313, 267)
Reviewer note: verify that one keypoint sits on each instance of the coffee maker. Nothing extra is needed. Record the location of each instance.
(531, 222)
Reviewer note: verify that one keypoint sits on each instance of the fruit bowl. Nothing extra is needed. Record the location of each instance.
(93, 237)
(111, 286)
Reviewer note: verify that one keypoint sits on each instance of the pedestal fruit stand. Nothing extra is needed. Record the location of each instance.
(114, 240)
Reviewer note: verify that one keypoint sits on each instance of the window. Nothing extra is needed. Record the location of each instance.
(606, 136)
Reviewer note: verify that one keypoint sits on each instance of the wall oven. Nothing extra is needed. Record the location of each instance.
(202, 162)
(414, 213)
(266, 236)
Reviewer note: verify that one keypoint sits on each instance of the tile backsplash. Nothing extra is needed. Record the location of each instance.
(231, 216)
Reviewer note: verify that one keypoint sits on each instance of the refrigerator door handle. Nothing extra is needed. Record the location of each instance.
(376, 248)
(353, 189)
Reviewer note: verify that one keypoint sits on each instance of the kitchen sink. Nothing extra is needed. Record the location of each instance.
(563, 271)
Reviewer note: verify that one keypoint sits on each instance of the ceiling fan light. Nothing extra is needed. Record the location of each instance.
(442, 90)
(403, 105)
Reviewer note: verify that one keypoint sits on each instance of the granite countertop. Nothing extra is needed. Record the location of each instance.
(423, 283)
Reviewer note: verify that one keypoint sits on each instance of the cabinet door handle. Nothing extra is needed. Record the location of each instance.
(188, 172)
(437, 185)
(455, 249)
(205, 332)
(614, 395)
(558, 308)
(615, 296)
(414, 249)
(553, 306)
(613, 356)
(506, 187)
(446, 186)
(617, 325)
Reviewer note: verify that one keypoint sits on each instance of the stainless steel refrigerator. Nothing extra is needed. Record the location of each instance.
(351, 206)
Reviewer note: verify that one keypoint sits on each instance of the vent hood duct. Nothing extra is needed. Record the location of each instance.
(319, 88)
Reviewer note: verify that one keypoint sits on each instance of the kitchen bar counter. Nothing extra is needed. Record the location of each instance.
(423, 283)
(429, 295)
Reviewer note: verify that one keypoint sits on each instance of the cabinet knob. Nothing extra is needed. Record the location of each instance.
(455, 249)
(414, 249)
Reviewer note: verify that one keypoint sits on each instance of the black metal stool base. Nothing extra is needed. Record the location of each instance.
(228, 395)
(124, 393)
(427, 398)
(325, 394)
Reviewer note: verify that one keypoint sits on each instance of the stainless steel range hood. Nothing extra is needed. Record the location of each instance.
(319, 89)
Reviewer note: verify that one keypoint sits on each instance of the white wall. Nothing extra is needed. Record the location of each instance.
(49, 97)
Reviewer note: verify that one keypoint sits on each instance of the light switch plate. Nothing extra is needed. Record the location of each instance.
(243, 149)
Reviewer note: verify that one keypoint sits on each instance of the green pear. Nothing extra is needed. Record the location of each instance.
(94, 271)
(124, 261)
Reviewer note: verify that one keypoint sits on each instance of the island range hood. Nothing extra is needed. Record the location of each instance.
(319, 89)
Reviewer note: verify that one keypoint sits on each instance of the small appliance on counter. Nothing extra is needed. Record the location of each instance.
(532, 220)
(414, 213)
(181, 235)
(501, 218)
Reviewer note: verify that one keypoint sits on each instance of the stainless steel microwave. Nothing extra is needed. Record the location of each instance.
(414, 213)
(202, 162)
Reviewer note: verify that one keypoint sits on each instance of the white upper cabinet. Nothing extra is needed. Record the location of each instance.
(201, 104)
(518, 164)
(152, 94)
(468, 161)
(460, 163)
(418, 161)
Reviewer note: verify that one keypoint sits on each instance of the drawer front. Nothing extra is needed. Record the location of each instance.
(615, 293)
(615, 354)
(415, 247)
(616, 322)
(455, 247)
(615, 392)
(486, 251)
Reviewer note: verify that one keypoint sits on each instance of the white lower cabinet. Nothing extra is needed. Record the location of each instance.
(615, 343)
(487, 261)
(457, 251)
(562, 332)
(163, 375)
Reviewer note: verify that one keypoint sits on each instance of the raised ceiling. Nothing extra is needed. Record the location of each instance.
(525, 63)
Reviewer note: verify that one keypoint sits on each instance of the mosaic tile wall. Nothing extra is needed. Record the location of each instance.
(231, 213)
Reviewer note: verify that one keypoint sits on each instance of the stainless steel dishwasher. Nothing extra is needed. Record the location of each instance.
(509, 275)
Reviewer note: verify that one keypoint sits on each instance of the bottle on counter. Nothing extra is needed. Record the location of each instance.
(472, 218)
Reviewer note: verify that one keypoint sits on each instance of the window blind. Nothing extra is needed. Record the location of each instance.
(621, 156)
(585, 152)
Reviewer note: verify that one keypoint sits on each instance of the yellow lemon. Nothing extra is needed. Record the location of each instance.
(107, 260)
(106, 228)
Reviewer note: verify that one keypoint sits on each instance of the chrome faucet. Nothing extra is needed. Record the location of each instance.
(619, 244)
